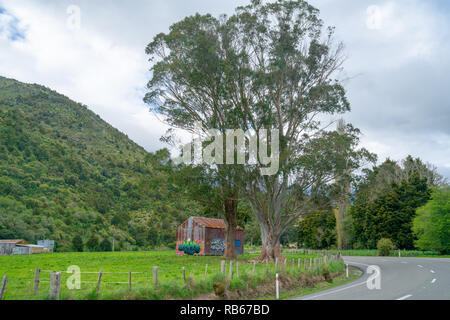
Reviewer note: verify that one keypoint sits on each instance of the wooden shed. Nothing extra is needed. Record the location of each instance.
(29, 249)
(7, 246)
(205, 237)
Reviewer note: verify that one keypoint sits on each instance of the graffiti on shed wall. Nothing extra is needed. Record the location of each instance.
(191, 248)
(218, 246)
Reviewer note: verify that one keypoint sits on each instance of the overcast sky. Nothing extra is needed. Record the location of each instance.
(398, 63)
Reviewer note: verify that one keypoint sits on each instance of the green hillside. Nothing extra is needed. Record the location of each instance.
(65, 172)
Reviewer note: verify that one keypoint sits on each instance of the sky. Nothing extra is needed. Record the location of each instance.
(397, 72)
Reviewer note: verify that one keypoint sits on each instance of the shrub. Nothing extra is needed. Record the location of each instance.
(432, 223)
(77, 243)
(92, 243)
(105, 245)
(385, 246)
(326, 275)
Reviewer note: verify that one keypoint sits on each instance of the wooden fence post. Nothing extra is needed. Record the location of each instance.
(129, 280)
(155, 276)
(254, 267)
(237, 270)
(206, 272)
(99, 280)
(184, 274)
(267, 266)
(231, 270)
(55, 285)
(3, 287)
(223, 266)
(37, 275)
(299, 263)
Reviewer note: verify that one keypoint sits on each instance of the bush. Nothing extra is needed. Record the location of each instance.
(385, 246)
(327, 275)
(92, 243)
(105, 245)
(432, 223)
(318, 230)
(77, 243)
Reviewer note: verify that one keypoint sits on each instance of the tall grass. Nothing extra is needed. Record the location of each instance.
(20, 270)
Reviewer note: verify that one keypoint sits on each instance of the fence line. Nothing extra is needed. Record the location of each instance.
(235, 268)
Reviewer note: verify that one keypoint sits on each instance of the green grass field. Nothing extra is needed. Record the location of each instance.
(20, 271)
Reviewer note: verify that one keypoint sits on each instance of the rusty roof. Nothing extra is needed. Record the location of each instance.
(13, 241)
(212, 223)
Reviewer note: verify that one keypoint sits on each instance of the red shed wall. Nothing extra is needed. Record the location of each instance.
(191, 231)
(215, 242)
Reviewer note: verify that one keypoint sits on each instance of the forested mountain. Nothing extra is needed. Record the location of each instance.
(65, 172)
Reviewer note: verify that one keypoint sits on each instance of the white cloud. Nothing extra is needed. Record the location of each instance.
(398, 65)
(376, 16)
(84, 65)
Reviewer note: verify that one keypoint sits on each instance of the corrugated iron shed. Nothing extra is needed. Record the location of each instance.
(33, 248)
(212, 223)
(18, 241)
(7, 246)
(49, 244)
(205, 236)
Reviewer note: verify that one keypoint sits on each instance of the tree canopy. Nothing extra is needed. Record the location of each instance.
(432, 223)
(391, 215)
(268, 66)
(318, 230)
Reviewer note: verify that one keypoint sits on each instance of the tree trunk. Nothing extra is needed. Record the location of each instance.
(343, 200)
(340, 215)
(271, 248)
(231, 205)
(342, 204)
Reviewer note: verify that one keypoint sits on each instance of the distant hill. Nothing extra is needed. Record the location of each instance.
(64, 171)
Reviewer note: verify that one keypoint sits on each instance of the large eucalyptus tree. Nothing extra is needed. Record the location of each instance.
(269, 66)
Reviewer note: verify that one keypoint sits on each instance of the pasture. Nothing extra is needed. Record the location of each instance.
(117, 265)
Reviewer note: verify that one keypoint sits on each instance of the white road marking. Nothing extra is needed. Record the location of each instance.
(432, 271)
(420, 266)
(334, 291)
(341, 289)
(363, 264)
(405, 297)
(433, 281)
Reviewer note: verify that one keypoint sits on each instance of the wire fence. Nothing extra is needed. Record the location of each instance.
(41, 283)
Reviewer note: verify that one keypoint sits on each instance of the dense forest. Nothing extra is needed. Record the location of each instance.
(67, 175)
(65, 172)
(389, 201)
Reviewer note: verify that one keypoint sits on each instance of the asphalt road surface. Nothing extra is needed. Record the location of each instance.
(401, 279)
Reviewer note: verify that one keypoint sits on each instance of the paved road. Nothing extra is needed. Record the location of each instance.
(401, 279)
